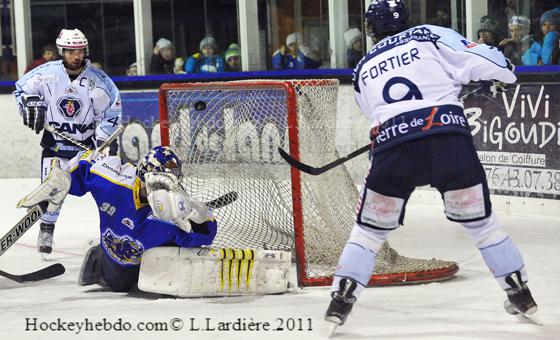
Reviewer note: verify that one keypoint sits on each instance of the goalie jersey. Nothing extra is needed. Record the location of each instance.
(408, 84)
(84, 108)
(127, 226)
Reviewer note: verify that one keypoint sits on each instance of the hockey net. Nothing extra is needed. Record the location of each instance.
(227, 135)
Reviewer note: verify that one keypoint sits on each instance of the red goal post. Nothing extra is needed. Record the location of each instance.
(227, 133)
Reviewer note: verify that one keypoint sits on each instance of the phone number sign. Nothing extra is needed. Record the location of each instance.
(517, 135)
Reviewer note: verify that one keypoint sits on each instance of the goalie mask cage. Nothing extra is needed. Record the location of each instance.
(227, 135)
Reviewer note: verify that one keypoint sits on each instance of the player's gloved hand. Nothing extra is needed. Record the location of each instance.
(510, 65)
(111, 150)
(493, 87)
(34, 108)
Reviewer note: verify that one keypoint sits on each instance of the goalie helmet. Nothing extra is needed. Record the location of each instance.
(159, 159)
(384, 17)
(71, 40)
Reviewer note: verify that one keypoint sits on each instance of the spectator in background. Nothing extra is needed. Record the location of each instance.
(488, 31)
(353, 39)
(163, 59)
(206, 60)
(545, 51)
(49, 54)
(519, 39)
(132, 70)
(233, 59)
(294, 55)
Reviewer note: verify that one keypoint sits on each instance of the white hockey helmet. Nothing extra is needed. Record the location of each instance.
(71, 40)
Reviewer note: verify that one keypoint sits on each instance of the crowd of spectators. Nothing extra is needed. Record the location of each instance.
(507, 30)
(511, 33)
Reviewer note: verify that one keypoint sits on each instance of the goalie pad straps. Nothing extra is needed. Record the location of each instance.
(53, 189)
(199, 272)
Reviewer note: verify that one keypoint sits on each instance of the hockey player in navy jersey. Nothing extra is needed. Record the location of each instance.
(73, 97)
(407, 85)
(140, 208)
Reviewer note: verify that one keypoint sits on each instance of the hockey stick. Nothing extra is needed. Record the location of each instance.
(33, 215)
(320, 170)
(222, 201)
(42, 274)
(109, 140)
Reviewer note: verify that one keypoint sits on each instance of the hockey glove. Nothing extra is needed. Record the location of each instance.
(34, 108)
(493, 87)
(111, 150)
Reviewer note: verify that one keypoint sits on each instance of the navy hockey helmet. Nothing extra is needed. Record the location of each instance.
(159, 159)
(385, 17)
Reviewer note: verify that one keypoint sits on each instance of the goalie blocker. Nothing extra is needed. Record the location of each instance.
(204, 272)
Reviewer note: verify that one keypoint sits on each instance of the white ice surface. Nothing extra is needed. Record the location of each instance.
(466, 307)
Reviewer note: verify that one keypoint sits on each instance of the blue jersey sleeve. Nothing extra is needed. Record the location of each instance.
(79, 168)
(166, 233)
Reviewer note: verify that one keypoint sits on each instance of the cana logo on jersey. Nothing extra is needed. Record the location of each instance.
(69, 107)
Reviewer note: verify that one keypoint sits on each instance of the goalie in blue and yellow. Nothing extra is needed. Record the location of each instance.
(140, 207)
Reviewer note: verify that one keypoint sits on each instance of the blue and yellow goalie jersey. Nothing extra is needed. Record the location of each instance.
(127, 225)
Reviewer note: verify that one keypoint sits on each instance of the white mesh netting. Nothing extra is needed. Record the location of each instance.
(227, 136)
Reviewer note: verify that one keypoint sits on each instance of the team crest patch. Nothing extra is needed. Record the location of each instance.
(122, 249)
(69, 107)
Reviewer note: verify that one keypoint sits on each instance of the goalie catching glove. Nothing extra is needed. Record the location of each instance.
(33, 112)
(170, 203)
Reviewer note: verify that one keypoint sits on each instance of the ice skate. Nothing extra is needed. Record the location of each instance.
(341, 305)
(45, 239)
(520, 301)
(90, 271)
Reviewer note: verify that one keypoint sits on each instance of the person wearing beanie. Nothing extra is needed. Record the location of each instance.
(232, 57)
(488, 31)
(545, 52)
(519, 40)
(206, 60)
(353, 40)
(294, 55)
(163, 59)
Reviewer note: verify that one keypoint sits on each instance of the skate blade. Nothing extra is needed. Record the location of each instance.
(529, 317)
(44, 256)
(332, 329)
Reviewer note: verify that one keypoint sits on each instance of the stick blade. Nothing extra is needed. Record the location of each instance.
(39, 275)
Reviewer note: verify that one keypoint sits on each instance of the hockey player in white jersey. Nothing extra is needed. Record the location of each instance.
(73, 97)
(407, 86)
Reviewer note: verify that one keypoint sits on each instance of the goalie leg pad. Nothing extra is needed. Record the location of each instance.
(53, 189)
(203, 272)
